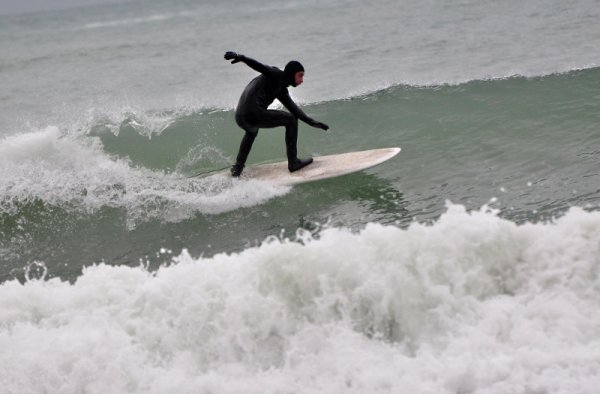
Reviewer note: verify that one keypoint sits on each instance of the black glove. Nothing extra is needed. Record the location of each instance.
(234, 57)
(320, 125)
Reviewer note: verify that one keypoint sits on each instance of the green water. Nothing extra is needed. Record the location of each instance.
(530, 147)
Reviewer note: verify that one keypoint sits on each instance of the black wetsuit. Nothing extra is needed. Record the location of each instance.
(252, 111)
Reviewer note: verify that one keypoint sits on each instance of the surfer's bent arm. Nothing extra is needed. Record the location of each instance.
(253, 64)
(291, 106)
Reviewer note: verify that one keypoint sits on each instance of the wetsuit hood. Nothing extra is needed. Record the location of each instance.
(290, 71)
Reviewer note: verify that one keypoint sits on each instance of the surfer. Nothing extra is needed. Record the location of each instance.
(252, 111)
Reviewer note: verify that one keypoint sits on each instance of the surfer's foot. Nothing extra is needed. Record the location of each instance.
(236, 170)
(297, 164)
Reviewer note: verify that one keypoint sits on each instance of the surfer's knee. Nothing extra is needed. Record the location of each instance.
(286, 118)
(291, 120)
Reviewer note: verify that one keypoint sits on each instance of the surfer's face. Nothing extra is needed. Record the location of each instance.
(299, 78)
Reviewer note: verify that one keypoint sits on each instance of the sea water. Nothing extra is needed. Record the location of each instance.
(469, 263)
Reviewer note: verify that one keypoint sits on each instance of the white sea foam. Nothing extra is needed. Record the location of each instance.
(76, 174)
(470, 304)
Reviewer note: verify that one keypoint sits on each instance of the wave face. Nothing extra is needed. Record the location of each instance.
(469, 303)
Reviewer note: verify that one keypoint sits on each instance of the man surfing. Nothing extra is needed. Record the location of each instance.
(252, 111)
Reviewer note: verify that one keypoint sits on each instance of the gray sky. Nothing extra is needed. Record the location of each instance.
(18, 6)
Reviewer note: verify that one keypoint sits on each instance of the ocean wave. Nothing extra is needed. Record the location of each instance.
(154, 121)
(137, 160)
(379, 88)
(75, 174)
(434, 84)
(471, 302)
(113, 115)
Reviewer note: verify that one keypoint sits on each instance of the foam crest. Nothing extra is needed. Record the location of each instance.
(471, 303)
(74, 173)
(146, 123)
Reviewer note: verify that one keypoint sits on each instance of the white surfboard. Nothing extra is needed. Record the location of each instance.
(322, 167)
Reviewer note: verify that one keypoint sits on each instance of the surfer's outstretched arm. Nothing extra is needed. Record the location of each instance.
(291, 106)
(253, 64)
